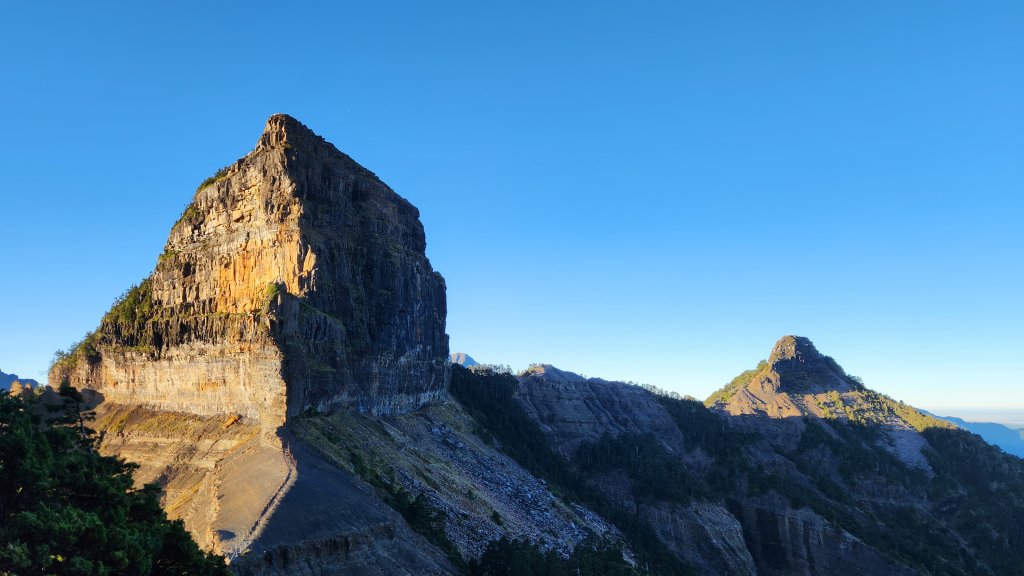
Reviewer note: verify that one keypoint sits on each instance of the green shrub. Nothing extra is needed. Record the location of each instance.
(218, 175)
(134, 307)
(65, 509)
(488, 397)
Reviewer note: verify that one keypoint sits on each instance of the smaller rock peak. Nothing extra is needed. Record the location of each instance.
(549, 372)
(794, 348)
(283, 129)
(463, 359)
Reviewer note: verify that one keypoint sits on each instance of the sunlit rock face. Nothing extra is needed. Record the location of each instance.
(294, 282)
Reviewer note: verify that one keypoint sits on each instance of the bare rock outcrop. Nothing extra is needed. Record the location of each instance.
(294, 282)
(788, 542)
(571, 409)
(797, 380)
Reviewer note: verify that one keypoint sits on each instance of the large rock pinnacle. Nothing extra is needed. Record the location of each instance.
(295, 281)
(293, 263)
(794, 348)
(788, 384)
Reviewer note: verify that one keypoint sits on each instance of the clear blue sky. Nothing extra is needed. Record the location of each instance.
(638, 190)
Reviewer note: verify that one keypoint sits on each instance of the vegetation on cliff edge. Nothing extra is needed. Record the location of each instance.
(65, 509)
(489, 398)
(592, 557)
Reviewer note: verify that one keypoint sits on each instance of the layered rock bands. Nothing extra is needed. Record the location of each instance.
(295, 282)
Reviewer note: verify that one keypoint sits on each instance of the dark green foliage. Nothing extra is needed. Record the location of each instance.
(189, 216)
(134, 307)
(518, 558)
(127, 323)
(976, 490)
(64, 509)
(272, 292)
(84, 349)
(967, 519)
(980, 490)
(421, 516)
(854, 450)
(220, 173)
(711, 433)
(655, 474)
(726, 392)
(489, 397)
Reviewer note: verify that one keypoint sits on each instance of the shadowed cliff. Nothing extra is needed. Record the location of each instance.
(295, 282)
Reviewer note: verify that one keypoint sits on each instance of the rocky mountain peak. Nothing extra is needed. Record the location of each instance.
(463, 359)
(295, 282)
(282, 130)
(552, 374)
(792, 382)
(800, 368)
(295, 254)
(794, 348)
(798, 381)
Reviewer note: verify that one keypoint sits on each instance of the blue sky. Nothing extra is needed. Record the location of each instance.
(643, 191)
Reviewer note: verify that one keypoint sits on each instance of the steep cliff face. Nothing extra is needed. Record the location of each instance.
(295, 279)
(800, 542)
(295, 282)
(571, 409)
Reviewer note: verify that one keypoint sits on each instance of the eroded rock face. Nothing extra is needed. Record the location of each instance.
(790, 384)
(571, 410)
(467, 482)
(295, 281)
(788, 542)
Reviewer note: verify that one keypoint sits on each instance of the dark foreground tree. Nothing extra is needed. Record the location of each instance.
(65, 509)
(592, 557)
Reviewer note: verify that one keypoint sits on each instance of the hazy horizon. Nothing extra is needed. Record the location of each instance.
(1010, 417)
(653, 193)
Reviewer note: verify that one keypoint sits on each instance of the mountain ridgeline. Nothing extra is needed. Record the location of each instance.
(1009, 439)
(794, 468)
(6, 380)
(284, 377)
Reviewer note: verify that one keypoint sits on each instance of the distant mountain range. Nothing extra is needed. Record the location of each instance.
(1009, 439)
(7, 379)
(463, 359)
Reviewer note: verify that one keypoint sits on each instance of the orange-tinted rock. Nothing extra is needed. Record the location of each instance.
(295, 281)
